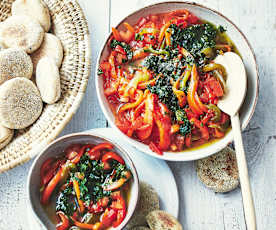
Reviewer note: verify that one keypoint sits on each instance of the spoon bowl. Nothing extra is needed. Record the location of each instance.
(236, 84)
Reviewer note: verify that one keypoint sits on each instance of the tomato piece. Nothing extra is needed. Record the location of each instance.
(120, 49)
(64, 223)
(203, 129)
(215, 87)
(112, 156)
(121, 214)
(108, 217)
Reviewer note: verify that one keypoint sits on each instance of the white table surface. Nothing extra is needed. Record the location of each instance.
(200, 209)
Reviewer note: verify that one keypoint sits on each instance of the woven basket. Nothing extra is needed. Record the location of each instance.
(70, 25)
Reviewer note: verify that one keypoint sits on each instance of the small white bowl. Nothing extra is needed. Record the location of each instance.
(55, 149)
(248, 57)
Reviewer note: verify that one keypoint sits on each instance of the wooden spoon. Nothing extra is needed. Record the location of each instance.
(235, 91)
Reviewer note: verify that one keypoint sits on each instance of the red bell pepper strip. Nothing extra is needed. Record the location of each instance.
(48, 170)
(108, 217)
(101, 146)
(121, 214)
(148, 118)
(51, 186)
(163, 122)
(188, 140)
(203, 129)
(155, 149)
(64, 224)
(95, 226)
(192, 97)
(112, 156)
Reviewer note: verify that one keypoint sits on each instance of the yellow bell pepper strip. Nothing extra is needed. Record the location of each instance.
(192, 92)
(215, 66)
(81, 225)
(181, 96)
(148, 31)
(139, 53)
(139, 76)
(77, 191)
(185, 52)
(185, 77)
(168, 37)
(160, 51)
(163, 30)
(175, 128)
(200, 104)
(133, 104)
(116, 34)
(126, 175)
(163, 122)
(64, 224)
(203, 129)
(129, 34)
(111, 61)
(148, 118)
(143, 85)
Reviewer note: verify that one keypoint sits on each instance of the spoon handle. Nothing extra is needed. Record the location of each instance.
(248, 205)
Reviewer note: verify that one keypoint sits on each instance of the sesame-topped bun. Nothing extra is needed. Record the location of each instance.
(51, 47)
(36, 9)
(20, 103)
(148, 202)
(219, 172)
(21, 31)
(161, 220)
(14, 62)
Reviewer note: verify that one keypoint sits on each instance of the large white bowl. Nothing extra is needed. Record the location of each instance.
(248, 57)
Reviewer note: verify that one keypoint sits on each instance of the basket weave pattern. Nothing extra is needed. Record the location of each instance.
(70, 25)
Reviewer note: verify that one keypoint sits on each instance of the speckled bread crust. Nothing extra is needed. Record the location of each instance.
(148, 202)
(161, 220)
(140, 228)
(36, 9)
(48, 80)
(21, 31)
(51, 47)
(6, 136)
(219, 172)
(20, 103)
(14, 62)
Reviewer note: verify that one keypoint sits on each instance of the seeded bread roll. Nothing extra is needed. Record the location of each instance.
(161, 220)
(14, 62)
(148, 202)
(36, 9)
(20, 103)
(51, 47)
(219, 172)
(6, 136)
(22, 32)
(48, 80)
(140, 228)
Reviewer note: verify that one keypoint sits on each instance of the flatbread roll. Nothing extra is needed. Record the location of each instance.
(148, 202)
(48, 80)
(6, 136)
(51, 47)
(20, 31)
(20, 103)
(161, 220)
(219, 172)
(36, 9)
(15, 62)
